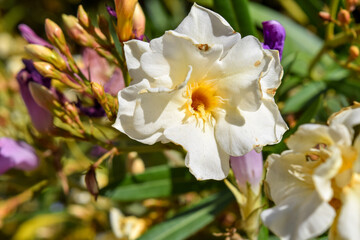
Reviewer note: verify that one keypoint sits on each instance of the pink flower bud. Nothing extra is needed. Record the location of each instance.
(248, 170)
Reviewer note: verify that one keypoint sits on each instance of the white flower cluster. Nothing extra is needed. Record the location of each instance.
(316, 184)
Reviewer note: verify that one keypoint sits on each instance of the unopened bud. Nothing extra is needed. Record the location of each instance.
(77, 32)
(56, 36)
(46, 54)
(47, 70)
(83, 17)
(353, 52)
(248, 171)
(98, 91)
(344, 17)
(139, 22)
(125, 12)
(325, 16)
(91, 182)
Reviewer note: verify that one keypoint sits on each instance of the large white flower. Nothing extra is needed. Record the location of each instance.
(316, 184)
(203, 87)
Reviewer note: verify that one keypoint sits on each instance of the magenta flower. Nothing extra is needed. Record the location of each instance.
(274, 36)
(31, 37)
(41, 118)
(248, 170)
(16, 154)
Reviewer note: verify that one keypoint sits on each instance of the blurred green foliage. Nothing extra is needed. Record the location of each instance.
(308, 94)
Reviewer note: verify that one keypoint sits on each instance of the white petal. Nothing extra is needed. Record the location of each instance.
(134, 49)
(206, 26)
(245, 72)
(349, 218)
(324, 174)
(271, 79)
(350, 117)
(299, 213)
(169, 64)
(143, 115)
(302, 216)
(308, 136)
(238, 132)
(158, 68)
(205, 158)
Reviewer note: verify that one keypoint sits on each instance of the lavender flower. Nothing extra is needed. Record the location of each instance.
(16, 154)
(248, 170)
(98, 70)
(274, 36)
(41, 118)
(31, 37)
(111, 11)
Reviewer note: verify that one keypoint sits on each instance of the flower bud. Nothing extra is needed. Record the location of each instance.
(98, 91)
(248, 170)
(139, 22)
(91, 182)
(46, 54)
(344, 17)
(47, 70)
(77, 32)
(56, 36)
(83, 17)
(353, 52)
(125, 12)
(325, 16)
(274, 36)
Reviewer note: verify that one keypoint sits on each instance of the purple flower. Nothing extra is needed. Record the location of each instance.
(248, 170)
(16, 154)
(31, 37)
(111, 11)
(274, 36)
(41, 118)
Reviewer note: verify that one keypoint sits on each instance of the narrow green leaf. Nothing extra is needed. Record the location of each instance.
(226, 9)
(189, 222)
(155, 182)
(243, 16)
(303, 96)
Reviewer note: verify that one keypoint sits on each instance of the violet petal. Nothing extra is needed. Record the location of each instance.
(274, 36)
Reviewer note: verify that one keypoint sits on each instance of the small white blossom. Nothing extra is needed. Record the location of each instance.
(205, 88)
(316, 184)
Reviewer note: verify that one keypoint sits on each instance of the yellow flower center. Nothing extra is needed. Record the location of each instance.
(202, 100)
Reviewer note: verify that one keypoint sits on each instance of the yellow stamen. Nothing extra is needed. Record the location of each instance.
(202, 100)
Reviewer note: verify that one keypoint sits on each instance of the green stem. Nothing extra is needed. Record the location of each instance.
(331, 26)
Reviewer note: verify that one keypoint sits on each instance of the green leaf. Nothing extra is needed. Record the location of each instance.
(155, 182)
(303, 96)
(189, 222)
(226, 9)
(244, 20)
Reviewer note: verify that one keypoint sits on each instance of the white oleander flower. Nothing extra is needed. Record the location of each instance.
(316, 184)
(205, 88)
